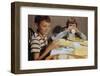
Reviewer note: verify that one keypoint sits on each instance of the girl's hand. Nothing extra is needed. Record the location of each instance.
(76, 29)
(70, 28)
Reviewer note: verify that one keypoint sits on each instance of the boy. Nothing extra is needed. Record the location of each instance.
(39, 43)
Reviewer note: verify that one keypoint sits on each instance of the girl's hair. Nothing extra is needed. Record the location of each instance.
(57, 29)
(40, 18)
(71, 20)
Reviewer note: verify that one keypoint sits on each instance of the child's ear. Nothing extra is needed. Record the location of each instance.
(77, 27)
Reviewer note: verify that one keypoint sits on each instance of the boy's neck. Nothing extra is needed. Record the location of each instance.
(42, 35)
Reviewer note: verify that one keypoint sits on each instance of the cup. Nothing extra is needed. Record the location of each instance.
(73, 31)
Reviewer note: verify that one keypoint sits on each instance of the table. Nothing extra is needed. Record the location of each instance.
(79, 50)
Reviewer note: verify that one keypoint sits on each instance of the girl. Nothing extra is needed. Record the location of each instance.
(71, 31)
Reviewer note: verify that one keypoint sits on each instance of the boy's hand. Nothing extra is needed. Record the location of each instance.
(52, 46)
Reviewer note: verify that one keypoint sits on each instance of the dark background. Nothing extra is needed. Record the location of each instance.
(61, 20)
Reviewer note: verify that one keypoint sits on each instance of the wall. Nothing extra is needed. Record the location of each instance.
(5, 38)
(82, 22)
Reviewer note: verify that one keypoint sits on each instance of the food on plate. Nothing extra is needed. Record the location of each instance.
(84, 43)
(81, 51)
(64, 43)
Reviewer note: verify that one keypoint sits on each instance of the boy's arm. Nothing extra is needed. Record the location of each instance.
(35, 48)
(36, 56)
(52, 46)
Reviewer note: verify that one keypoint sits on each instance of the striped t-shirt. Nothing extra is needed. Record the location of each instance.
(38, 42)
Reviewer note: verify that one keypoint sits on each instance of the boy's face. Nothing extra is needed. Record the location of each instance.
(44, 27)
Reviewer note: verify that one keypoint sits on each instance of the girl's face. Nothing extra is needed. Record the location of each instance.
(44, 27)
(72, 26)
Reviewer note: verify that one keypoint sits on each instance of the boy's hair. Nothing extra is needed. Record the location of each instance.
(40, 18)
(71, 20)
